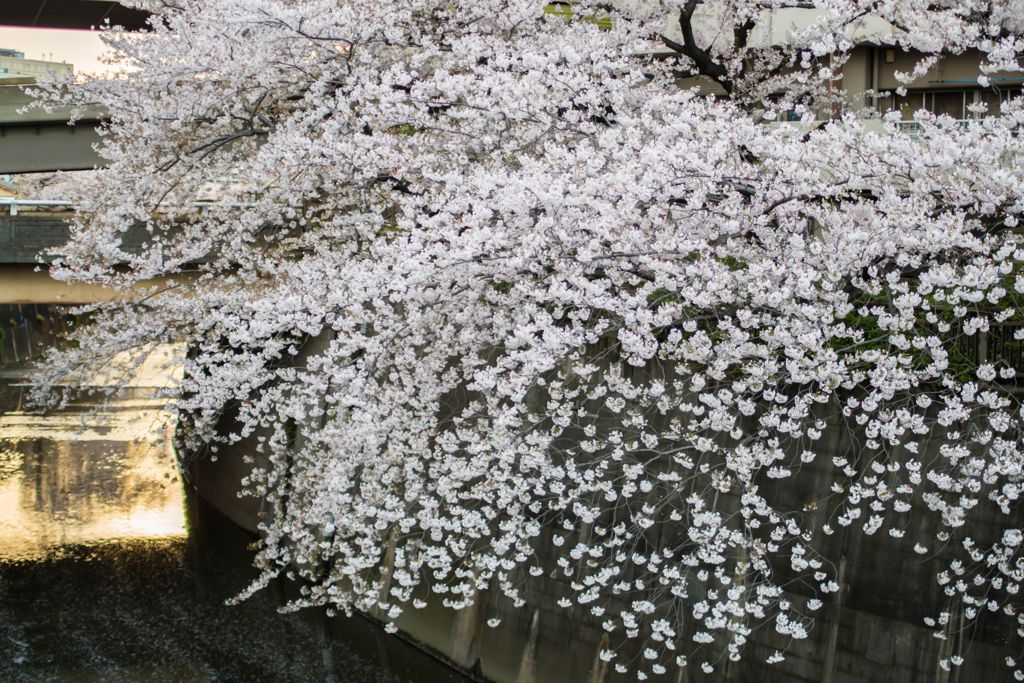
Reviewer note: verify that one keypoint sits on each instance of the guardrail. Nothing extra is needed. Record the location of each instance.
(914, 128)
(12, 203)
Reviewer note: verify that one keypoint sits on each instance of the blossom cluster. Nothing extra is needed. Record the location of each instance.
(493, 296)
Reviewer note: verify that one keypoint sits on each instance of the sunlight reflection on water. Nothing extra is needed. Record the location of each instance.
(92, 473)
(111, 571)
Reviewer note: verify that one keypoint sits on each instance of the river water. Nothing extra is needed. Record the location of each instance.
(110, 570)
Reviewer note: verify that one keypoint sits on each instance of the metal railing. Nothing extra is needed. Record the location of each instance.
(998, 345)
(13, 203)
(914, 128)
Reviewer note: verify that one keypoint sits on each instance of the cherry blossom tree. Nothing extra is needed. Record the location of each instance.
(500, 292)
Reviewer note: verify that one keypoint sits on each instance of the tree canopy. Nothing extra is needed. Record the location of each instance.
(506, 289)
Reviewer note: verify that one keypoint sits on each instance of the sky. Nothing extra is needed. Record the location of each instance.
(81, 48)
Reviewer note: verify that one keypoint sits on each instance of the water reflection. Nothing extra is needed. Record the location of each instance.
(136, 610)
(63, 485)
(92, 472)
(111, 571)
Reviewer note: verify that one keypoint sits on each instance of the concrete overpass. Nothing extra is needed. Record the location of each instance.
(24, 279)
(43, 141)
(38, 140)
(75, 14)
(32, 304)
(26, 284)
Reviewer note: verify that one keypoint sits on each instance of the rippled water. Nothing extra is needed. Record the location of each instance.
(109, 571)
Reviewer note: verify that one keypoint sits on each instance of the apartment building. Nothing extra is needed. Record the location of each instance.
(868, 81)
(14, 65)
(950, 87)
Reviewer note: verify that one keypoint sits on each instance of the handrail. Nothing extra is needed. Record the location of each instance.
(13, 203)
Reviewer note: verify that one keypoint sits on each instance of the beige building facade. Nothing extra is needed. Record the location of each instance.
(14, 65)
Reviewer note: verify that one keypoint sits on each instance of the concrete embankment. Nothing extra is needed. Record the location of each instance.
(871, 630)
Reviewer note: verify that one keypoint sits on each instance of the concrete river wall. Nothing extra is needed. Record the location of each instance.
(872, 630)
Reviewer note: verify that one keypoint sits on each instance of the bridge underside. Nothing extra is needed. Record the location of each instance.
(34, 236)
(33, 139)
(80, 14)
(22, 283)
(48, 146)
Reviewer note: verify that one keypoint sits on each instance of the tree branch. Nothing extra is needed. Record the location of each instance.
(706, 66)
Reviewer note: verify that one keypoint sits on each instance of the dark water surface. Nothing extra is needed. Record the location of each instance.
(111, 571)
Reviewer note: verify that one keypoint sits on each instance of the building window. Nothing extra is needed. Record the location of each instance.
(954, 103)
